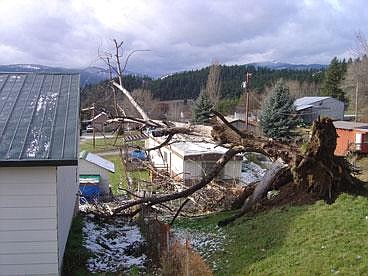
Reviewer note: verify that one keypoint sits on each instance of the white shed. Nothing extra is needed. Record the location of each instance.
(309, 108)
(191, 160)
(39, 136)
(92, 164)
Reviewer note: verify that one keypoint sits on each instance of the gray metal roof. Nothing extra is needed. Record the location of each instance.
(39, 117)
(351, 125)
(306, 102)
(97, 160)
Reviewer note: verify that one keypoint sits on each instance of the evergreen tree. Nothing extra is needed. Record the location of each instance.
(202, 108)
(276, 118)
(333, 78)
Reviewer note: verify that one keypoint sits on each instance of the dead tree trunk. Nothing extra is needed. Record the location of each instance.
(320, 171)
(260, 190)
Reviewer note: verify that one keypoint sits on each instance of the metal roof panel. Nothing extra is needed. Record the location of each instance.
(39, 116)
(97, 160)
(306, 102)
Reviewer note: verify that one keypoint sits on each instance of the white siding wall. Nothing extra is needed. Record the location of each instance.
(86, 167)
(232, 169)
(154, 155)
(193, 169)
(28, 226)
(332, 108)
(67, 188)
(174, 162)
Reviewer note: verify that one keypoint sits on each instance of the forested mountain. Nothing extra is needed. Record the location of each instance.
(88, 75)
(185, 85)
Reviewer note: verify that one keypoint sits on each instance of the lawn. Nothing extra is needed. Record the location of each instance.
(106, 144)
(318, 239)
(118, 178)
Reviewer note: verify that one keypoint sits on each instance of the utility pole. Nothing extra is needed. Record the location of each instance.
(356, 102)
(93, 125)
(246, 86)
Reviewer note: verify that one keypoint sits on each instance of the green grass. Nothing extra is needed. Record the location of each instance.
(101, 145)
(140, 175)
(118, 177)
(318, 239)
(106, 144)
(75, 256)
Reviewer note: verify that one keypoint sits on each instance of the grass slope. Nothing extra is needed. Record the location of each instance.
(117, 179)
(106, 144)
(101, 145)
(319, 239)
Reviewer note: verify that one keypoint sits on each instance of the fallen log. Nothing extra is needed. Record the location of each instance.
(260, 190)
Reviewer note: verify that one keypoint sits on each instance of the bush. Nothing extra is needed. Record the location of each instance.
(181, 260)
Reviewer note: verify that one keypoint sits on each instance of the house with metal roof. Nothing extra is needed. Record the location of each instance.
(190, 160)
(310, 108)
(91, 164)
(39, 137)
(351, 137)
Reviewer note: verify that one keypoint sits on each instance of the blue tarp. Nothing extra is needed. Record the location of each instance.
(89, 192)
(138, 154)
(89, 188)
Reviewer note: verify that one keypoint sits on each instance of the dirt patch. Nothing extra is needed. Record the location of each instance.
(288, 195)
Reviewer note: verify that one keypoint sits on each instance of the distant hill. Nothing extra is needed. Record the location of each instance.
(281, 65)
(89, 75)
(189, 83)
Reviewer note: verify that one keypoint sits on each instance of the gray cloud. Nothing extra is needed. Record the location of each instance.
(181, 35)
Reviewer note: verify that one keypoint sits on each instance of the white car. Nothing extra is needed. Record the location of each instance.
(89, 129)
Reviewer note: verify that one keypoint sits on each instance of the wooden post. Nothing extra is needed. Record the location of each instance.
(356, 102)
(246, 86)
(246, 109)
(93, 126)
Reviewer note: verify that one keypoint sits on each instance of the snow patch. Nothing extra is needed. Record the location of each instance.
(115, 246)
(28, 66)
(205, 243)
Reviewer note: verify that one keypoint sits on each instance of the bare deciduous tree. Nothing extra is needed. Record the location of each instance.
(213, 84)
(356, 80)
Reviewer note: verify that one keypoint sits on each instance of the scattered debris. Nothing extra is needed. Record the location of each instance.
(205, 243)
(251, 172)
(272, 194)
(116, 245)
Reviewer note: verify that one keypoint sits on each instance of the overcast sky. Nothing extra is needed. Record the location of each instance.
(181, 35)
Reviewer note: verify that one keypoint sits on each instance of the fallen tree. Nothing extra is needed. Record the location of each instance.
(317, 171)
